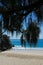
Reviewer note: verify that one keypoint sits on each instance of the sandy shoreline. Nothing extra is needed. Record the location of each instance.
(16, 57)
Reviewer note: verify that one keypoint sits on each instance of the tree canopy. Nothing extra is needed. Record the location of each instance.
(15, 11)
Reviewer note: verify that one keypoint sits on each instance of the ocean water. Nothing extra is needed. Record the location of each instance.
(17, 42)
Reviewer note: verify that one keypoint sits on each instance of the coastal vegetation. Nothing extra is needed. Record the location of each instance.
(14, 12)
(5, 43)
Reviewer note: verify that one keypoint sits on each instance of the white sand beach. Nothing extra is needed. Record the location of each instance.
(22, 56)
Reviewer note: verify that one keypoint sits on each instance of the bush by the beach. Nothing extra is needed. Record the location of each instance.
(5, 43)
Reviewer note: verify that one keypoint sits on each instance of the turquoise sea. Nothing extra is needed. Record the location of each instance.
(17, 42)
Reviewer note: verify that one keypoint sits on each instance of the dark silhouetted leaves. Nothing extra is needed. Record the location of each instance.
(33, 34)
(5, 43)
(15, 11)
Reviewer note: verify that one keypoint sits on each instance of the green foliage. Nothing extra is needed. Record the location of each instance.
(15, 11)
(5, 43)
(33, 34)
